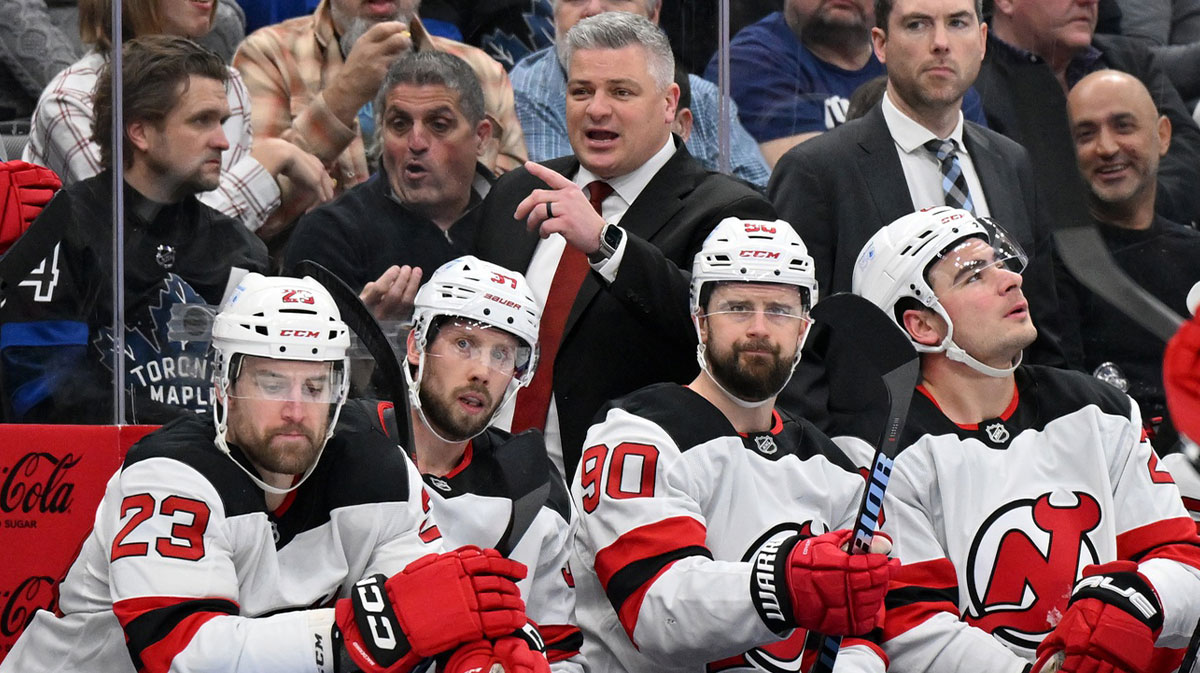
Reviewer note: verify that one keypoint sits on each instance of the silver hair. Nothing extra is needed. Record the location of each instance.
(651, 5)
(617, 30)
(433, 68)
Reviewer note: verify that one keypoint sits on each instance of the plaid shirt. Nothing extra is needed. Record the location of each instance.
(61, 140)
(287, 65)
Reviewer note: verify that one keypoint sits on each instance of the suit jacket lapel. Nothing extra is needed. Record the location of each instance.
(515, 250)
(650, 211)
(997, 177)
(880, 165)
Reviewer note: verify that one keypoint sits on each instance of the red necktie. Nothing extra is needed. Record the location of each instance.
(533, 401)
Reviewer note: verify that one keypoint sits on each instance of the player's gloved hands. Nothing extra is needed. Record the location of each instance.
(1181, 378)
(1111, 623)
(437, 603)
(815, 584)
(24, 190)
(513, 654)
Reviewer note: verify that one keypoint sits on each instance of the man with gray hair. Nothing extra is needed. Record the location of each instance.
(604, 235)
(540, 85)
(385, 234)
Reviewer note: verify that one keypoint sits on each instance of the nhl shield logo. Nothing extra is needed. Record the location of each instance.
(165, 256)
(439, 484)
(997, 433)
(766, 444)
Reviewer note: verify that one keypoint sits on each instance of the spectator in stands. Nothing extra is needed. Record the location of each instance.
(1172, 31)
(384, 235)
(312, 79)
(1037, 50)
(540, 82)
(33, 49)
(56, 323)
(913, 150)
(633, 205)
(1119, 139)
(793, 72)
(255, 175)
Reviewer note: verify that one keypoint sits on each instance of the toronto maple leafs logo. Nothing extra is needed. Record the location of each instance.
(508, 47)
(157, 369)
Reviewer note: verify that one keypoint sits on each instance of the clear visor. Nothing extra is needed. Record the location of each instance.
(975, 259)
(495, 348)
(289, 381)
(743, 311)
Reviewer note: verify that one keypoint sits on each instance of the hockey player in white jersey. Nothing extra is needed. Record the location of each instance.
(1031, 515)
(473, 345)
(705, 512)
(264, 539)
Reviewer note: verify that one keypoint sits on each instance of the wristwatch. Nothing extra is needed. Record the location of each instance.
(610, 240)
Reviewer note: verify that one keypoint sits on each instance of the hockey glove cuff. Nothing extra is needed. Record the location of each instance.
(813, 583)
(1111, 624)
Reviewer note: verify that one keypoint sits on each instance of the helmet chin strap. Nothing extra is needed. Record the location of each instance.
(221, 418)
(959, 355)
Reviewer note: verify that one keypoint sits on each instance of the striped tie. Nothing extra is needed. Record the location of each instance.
(954, 183)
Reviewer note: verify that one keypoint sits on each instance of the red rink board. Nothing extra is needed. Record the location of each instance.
(52, 477)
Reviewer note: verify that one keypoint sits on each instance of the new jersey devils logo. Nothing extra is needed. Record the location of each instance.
(1024, 561)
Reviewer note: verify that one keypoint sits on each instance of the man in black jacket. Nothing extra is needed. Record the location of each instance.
(604, 235)
(56, 336)
(1036, 52)
(386, 234)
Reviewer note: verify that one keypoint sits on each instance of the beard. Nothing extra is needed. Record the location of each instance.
(456, 427)
(268, 452)
(355, 26)
(754, 380)
(822, 29)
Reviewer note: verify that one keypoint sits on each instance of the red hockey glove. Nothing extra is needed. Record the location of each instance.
(513, 655)
(1181, 378)
(1111, 623)
(24, 190)
(815, 584)
(438, 602)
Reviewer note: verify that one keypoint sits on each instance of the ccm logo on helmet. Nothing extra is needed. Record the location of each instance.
(759, 254)
(501, 300)
(302, 333)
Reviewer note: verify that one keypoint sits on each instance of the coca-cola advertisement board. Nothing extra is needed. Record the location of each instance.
(51, 479)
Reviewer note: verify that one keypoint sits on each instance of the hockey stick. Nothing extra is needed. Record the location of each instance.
(1089, 260)
(1189, 658)
(360, 320)
(887, 351)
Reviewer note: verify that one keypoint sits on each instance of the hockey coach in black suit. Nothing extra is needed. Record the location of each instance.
(604, 236)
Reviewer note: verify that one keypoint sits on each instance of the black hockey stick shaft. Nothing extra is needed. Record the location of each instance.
(888, 352)
(362, 322)
(1189, 658)
(1088, 259)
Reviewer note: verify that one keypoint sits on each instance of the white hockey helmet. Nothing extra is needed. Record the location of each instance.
(894, 263)
(284, 319)
(483, 293)
(751, 251)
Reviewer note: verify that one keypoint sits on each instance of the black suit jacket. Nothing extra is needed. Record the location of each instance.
(636, 331)
(840, 187)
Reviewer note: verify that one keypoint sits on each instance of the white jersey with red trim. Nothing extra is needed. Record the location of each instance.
(186, 563)
(1187, 478)
(507, 495)
(995, 522)
(673, 504)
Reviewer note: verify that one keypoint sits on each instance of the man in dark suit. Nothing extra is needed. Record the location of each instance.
(911, 151)
(604, 236)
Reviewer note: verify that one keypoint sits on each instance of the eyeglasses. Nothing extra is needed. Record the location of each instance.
(742, 313)
(267, 385)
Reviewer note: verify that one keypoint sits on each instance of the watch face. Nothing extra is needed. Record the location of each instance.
(612, 235)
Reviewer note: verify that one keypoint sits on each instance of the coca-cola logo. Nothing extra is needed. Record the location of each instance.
(37, 483)
(34, 592)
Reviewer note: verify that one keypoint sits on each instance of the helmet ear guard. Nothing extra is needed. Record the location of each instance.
(750, 251)
(480, 293)
(278, 318)
(895, 262)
